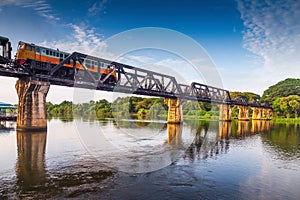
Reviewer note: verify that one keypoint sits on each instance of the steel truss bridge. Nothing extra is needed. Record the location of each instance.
(131, 80)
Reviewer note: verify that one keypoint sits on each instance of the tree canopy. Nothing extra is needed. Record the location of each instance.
(248, 96)
(284, 88)
(287, 106)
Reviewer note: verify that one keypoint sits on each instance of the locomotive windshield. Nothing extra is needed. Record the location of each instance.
(21, 45)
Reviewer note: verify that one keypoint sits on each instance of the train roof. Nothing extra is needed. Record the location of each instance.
(45, 47)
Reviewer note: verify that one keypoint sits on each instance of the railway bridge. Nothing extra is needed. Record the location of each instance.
(34, 81)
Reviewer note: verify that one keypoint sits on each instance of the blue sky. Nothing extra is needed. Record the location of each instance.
(253, 44)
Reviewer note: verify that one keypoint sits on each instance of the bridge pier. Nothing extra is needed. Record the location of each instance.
(225, 112)
(243, 113)
(32, 104)
(175, 111)
(257, 113)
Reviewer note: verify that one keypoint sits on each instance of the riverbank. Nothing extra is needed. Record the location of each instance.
(278, 120)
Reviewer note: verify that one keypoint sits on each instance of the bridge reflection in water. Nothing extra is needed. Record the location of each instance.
(31, 172)
(175, 134)
(35, 181)
(214, 137)
(210, 139)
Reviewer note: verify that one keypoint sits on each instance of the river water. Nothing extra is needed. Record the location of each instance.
(133, 159)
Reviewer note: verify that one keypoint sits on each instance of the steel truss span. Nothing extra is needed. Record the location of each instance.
(130, 80)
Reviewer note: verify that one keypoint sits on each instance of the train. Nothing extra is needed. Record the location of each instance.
(28, 53)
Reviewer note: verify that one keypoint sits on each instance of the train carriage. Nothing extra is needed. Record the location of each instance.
(46, 57)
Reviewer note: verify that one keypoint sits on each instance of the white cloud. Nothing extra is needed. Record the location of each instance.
(82, 40)
(41, 7)
(97, 7)
(272, 32)
(10, 2)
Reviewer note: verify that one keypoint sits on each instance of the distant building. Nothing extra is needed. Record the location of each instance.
(7, 111)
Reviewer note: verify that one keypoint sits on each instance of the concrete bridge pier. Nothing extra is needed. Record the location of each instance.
(257, 113)
(225, 112)
(243, 113)
(175, 111)
(32, 104)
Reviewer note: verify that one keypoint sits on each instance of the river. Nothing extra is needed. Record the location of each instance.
(136, 159)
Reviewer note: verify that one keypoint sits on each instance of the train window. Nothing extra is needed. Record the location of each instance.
(47, 52)
(50, 53)
(38, 49)
(61, 55)
(57, 54)
(29, 48)
(105, 65)
(88, 63)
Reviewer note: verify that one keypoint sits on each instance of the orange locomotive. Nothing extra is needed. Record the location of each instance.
(27, 53)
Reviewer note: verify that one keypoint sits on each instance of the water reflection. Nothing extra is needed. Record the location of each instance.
(72, 172)
(31, 173)
(284, 140)
(6, 126)
(135, 146)
(175, 134)
(35, 181)
(213, 137)
(224, 130)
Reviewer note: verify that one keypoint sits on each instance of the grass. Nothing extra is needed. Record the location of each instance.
(279, 120)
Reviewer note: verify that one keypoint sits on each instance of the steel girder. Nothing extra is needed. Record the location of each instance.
(131, 80)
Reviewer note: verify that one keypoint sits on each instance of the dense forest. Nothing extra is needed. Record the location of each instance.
(137, 107)
(283, 88)
(283, 96)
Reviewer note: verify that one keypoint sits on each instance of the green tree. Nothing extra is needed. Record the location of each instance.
(287, 106)
(284, 88)
(248, 96)
(295, 106)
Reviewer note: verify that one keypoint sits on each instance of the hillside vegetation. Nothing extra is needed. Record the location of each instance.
(284, 98)
(283, 88)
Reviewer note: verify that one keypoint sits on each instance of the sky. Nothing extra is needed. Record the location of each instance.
(250, 44)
